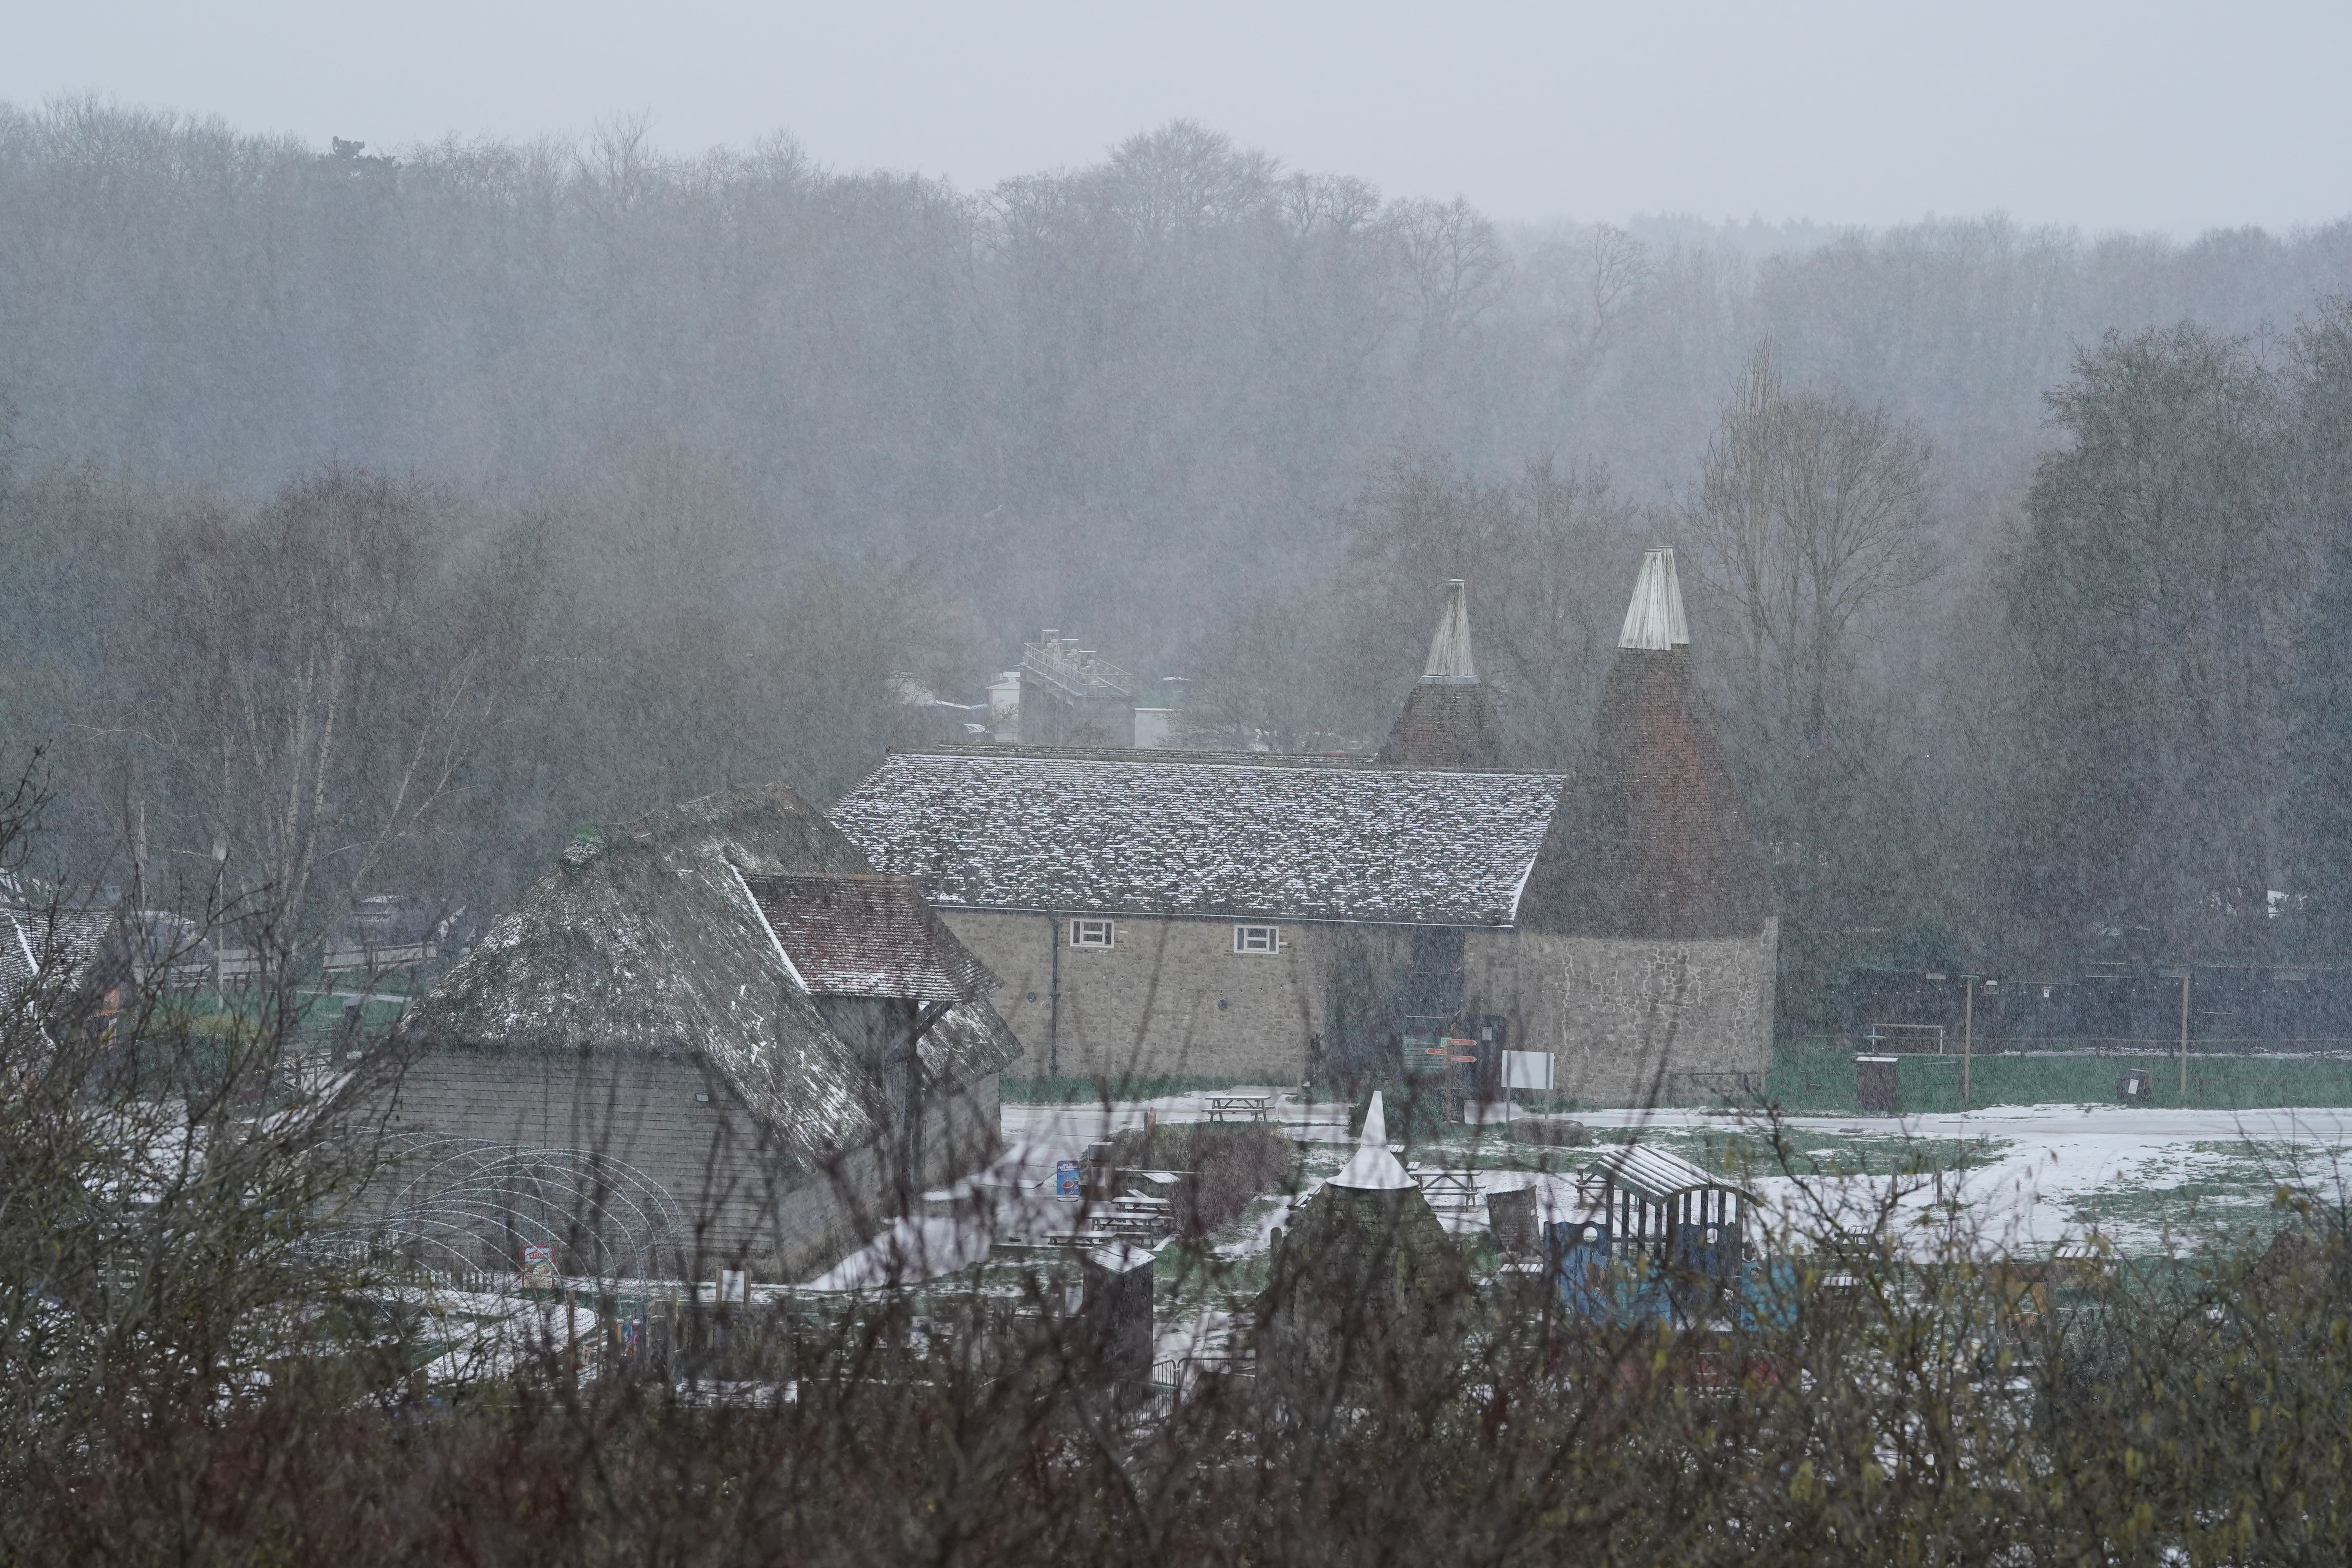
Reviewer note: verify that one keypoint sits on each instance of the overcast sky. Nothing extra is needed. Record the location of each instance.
(2154, 114)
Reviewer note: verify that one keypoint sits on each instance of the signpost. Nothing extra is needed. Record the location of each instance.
(538, 1266)
(1526, 1070)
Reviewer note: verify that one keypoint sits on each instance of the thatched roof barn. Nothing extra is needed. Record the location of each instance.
(720, 996)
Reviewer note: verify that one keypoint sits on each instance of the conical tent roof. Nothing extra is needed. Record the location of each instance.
(1448, 717)
(1651, 838)
(1371, 1168)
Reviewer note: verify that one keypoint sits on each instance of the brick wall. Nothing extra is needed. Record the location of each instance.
(1624, 1018)
(681, 1127)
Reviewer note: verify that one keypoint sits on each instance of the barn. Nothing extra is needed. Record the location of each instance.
(710, 1038)
(1284, 919)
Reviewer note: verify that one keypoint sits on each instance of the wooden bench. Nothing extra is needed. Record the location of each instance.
(1240, 1107)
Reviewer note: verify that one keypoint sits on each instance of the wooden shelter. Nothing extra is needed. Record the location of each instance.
(1677, 1215)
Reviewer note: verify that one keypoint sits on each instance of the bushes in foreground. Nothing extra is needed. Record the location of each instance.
(1953, 1408)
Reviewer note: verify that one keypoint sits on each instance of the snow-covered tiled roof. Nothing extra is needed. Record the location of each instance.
(1214, 834)
(847, 934)
(55, 945)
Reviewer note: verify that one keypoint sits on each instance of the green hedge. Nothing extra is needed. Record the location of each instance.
(1819, 1080)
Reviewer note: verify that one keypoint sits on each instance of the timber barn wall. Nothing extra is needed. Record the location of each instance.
(744, 1208)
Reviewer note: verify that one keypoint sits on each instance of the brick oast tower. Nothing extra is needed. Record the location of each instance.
(1646, 949)
(1448, 718)
(1652, 839)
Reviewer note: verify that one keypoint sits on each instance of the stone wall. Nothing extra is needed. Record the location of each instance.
(1685, 1021)
(1168, 999)
(1680, 1022)
(667, 1118)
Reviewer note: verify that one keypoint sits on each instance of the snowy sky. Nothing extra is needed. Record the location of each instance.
(2141, 114)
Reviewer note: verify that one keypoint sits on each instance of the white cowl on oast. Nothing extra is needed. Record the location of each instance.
(1653, 621)
(1371, 1168)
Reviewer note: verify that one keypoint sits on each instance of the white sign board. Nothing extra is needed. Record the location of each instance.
(1527, 1069)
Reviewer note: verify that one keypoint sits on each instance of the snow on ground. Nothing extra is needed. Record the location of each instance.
(909, 1251)
(491, 1336)
(2029, 1177)
(1040, 1134)
(2026, 1178)
(2036, 1177)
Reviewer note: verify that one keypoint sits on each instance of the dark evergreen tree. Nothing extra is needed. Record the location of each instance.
(2149, 600)
(2318, 826)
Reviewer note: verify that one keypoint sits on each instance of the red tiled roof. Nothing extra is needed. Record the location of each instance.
(1651, 838)
(866, 936)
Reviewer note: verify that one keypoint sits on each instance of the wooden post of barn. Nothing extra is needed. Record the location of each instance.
(1968, 1034)
(2184, 1036)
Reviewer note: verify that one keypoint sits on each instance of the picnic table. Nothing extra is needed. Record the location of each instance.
(1244, 1106)
(1453, 1190)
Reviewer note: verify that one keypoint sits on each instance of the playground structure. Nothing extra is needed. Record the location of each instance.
(1661, 1239)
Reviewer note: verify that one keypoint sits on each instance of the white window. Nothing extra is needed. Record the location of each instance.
(1090, 933)
(1257, 939)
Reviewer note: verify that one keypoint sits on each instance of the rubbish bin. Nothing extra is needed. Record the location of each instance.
(1876, 1083)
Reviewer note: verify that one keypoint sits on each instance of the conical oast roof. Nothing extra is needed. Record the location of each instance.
(1651, 838)
(1448, 718)
(1653, 621)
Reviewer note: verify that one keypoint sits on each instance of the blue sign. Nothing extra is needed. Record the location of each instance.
(1065, 1180)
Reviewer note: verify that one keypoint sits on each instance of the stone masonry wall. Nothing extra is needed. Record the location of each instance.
(1687, 1020)
(1169, 998)
(1683, 1021)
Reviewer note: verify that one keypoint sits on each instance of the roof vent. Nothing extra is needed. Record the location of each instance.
(1449, 645)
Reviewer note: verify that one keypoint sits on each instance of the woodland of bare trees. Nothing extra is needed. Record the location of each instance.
(375, 520)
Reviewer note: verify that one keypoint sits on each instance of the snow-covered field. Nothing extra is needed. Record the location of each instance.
(2028, 1177)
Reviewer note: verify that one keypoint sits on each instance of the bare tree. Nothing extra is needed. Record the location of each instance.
(1812, 512)
(1813, 518)
(1449, 259)
(315, 692)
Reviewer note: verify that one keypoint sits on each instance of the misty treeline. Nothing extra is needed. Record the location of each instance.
(373, 523)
